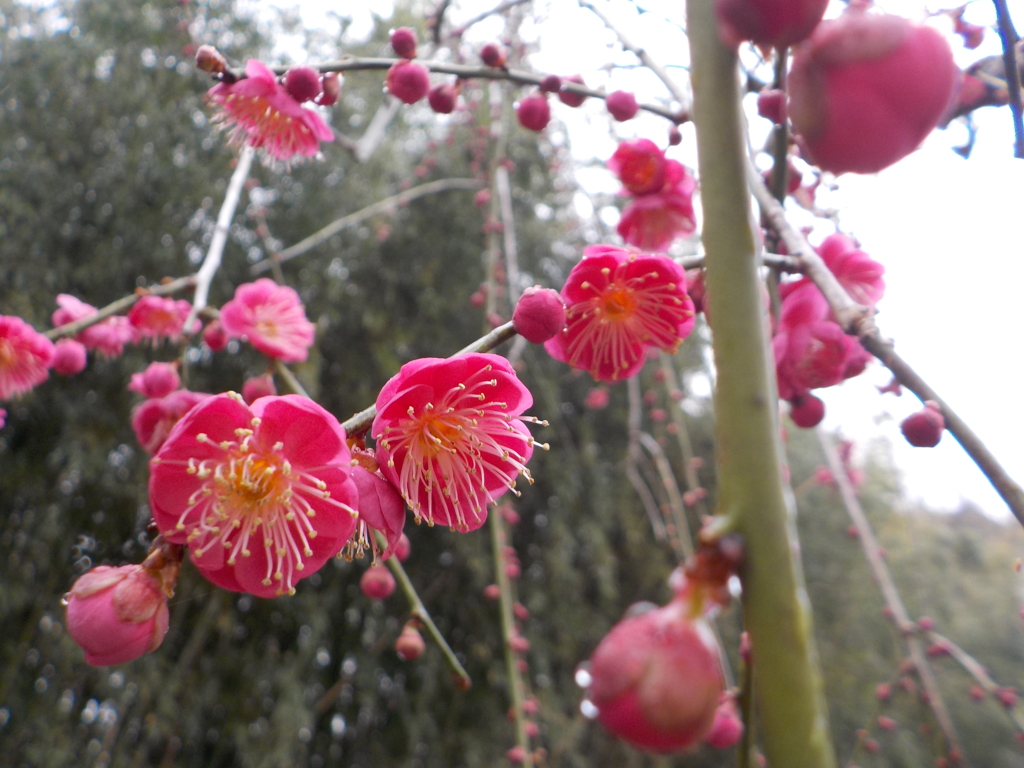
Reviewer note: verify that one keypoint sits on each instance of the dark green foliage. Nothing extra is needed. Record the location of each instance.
(109, 179)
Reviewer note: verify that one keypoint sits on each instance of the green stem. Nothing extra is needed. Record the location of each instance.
(793, 717)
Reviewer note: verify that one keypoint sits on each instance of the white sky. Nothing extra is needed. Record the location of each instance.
(948, 230)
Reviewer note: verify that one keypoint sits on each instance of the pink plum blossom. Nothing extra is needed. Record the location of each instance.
(117, 614)
(618, 304)
(857, 272)
(107, 337)
(448, 439)
(25, 357)
(158, 318)
(652, 221)
(381, 508)
(258, 386)
(262, 495)
(158, 380)
(640, 165)
(260, 111)
(154, 419)
(271, 318)
(70, 357)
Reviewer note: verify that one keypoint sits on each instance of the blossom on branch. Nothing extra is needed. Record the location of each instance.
(107, 337)
(25, 357)
(652, 221)
(262, 494)
(157, 318)
(271, 318)
(618, 304)
(154, 419)
(640, 166)
(260, 111)
(448, 439)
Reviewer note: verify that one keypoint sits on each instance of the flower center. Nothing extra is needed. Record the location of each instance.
(619, 303)
(7, 353)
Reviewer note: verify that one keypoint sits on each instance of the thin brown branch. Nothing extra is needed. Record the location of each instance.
(1008, 36)
(671, 385)
(121, 305)
(633, 456)
(467, 72)
(678, 92)
(461, 29)
(352, 219)
(891, 595)
(858, 320)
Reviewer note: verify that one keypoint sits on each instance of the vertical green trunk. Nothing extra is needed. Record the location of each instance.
(790, 700)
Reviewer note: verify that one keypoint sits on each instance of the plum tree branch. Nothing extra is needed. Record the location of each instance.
(1008, 36)
(858, 320)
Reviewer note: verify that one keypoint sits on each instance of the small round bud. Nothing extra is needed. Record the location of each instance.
(209, 59)
(409, 645)
(675, 136)
(516, 755)
(70, 357)
(571, 98)
(403, 41)
(807, 411)
(925, 624)
(771, 104)
(407, 81)
(551, 84)
(442, 98)
(883, 691)
(539, 314)
(977, 693)
(887, 723)
(331, 90)
(597, 399)
(403, 548)
(924, 428)
(622, 105)
(215, 337)
(492, 55)
(258, 386)
(727, 727)
(492, 592)
(302, 83)
(158, 380)
(377, 582)
(533, 112)
(1007, 697)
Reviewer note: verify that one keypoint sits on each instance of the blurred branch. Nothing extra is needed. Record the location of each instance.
(220, 234)
(675, 498)
(671, 385)
(632, 464)
(858, 320)
(417, 609)
(461, 29)
(1008, 36)
(352, 219)
(883, 577)
(119, 306)
(677, 91)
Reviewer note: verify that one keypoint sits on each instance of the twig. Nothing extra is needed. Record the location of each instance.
(883, 577)
(417, 609)
(1008, 36)
(975, 669)
(436, 20)
(632, 461)
(675, 498)
(360, 422)
(671, 384)
(351, 219)
(374, 134)
(857, 320)
(289, 377)
(466, 72)
(508, 229)
(461, 29)
(677, 91)
(220, 234)
(515, 683)
(122, 304)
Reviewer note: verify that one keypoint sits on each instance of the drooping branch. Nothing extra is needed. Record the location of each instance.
(858, 320)
(501, 8)
(352, 219)
(1008, 36)
(789, 687)
(893, 601)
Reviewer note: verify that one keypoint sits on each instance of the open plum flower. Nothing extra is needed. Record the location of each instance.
(618, 304)
(107, 337)
(25, 357)
(271, 318)
(448, 439)
(261, 494)
(259, 110)
(654, 219)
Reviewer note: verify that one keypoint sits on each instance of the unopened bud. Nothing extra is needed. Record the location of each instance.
(209, 59)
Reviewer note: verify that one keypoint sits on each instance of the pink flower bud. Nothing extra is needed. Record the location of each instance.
(70, 357)
(409, 645)
(521, 611)
(158, 380)
(675, 136)
(656, 679)
(442, 98)
(117, 614)
(209, 59)
(924, 428)
(331, 90)
(534, 113)
(727, 728)
(302, 83)
(925, 624)
(977, 693)
(777, 23)
(597, 399)
(516, 755)
(403, 41)
(215, 336)
(258, 386)
(492, 55)
(807, 411)
(492, 592)
(622, 105)
(1007, 697)
(551, 84)
(377, 582)
(539, 314)
(883, 691)
(403, 547)
(867, 88)
(407, 81)
(771, 104)
(887, 723)
(571, 98)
